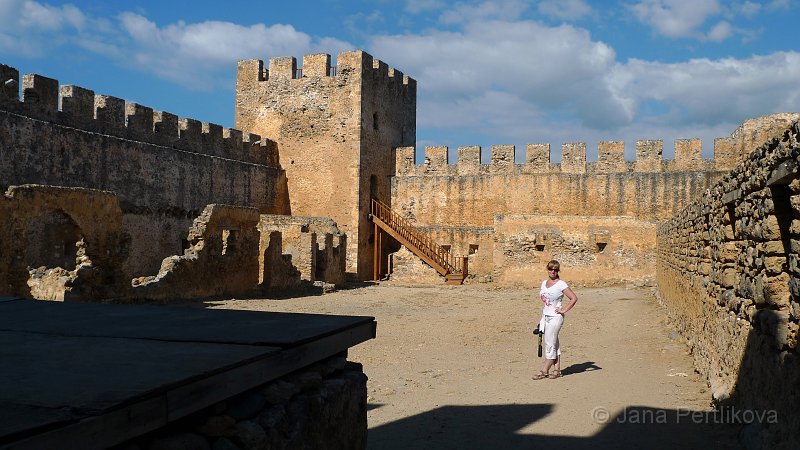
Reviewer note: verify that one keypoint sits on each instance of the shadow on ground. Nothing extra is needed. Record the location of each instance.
(498, 427)
(587, 366)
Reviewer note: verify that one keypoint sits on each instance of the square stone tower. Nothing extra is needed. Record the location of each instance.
(336, 129)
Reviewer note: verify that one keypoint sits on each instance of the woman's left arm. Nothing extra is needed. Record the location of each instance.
(573, 298)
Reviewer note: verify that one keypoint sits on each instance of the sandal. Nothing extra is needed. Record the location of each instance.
(554, 375)
(541, 375)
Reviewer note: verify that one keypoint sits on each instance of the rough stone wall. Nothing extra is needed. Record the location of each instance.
(470, 195)
(593, 251)
(222, 259)
(388, 120)
(165, 170)
(436, 193)
(316, 247)
(729, 276)
(320, 407)
(333, 132)
(87, 264)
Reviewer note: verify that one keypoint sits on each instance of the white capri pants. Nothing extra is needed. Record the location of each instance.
(552, 325)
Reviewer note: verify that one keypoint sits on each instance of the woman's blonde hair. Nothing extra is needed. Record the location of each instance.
(553, 265)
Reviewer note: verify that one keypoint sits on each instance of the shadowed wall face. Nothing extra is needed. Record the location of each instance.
(164, 170)
(728, 274)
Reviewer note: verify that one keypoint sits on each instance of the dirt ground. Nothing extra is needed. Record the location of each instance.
(451, 367)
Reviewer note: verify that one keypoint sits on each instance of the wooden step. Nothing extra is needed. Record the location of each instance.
(454, 278)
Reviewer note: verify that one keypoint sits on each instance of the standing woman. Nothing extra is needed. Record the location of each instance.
(551, 294)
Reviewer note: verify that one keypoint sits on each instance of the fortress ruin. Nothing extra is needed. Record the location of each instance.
(113, 201)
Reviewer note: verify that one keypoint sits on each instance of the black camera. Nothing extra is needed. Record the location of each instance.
(537, 331)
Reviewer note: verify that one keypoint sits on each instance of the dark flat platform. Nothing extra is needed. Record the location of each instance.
(96, 375)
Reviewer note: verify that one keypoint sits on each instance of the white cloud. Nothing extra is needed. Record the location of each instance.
(208, 48)
(523, 81)
(419, 6)
(710, 91)
(750, 9)
(548, 68)
(676, 18)
(776, 5)
(25, 25)
(462, 13)
(720, 32)
(565, 9)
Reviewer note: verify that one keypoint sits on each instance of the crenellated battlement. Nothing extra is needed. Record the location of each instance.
(80, 108)
(538, 159)
(318, 66)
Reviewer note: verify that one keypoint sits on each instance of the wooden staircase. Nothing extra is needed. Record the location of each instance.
(452, 268)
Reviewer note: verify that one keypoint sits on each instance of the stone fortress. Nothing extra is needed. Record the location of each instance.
(100, 195)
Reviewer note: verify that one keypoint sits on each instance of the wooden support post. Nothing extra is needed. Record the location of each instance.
(375, 253)
(380, 254)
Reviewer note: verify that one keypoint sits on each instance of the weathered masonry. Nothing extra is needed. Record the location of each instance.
(598, 218)
(335, 128)
(729, 276)
(108, 200)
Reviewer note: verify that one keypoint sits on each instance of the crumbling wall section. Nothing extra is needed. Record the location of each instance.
(728, 274)
(88, 260)
(593, 251)
(277, 272)
(164, 170)
(315, 246)
(222, 259)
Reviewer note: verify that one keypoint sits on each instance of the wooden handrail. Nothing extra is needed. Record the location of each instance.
(449, 263)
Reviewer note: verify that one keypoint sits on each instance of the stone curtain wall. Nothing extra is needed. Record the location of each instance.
(593, 251)
(321, 407)
(463, 203)
(728, 273)
(469, 195)
(164, 170)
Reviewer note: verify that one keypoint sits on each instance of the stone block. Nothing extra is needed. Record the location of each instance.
(40, 95)
(9, 85)
(110, 114)
(611, 157)
(139, 121)
(282, 68)
(537, 157)
(469, 160)
(316, 65)
(573, 157)
(77, 105)
(165, 128)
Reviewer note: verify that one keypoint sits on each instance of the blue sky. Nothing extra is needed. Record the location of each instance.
(488, 72)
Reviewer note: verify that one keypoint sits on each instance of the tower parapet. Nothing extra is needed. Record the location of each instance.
(341, 132)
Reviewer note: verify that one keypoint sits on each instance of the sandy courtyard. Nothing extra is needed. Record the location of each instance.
(451, 367)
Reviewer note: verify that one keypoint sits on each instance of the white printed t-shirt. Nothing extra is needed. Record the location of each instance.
(551, 296)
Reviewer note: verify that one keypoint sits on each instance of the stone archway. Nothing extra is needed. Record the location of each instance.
(53, 242)
(52, 238)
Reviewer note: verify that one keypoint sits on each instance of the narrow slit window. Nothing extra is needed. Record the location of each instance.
(228, 241)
